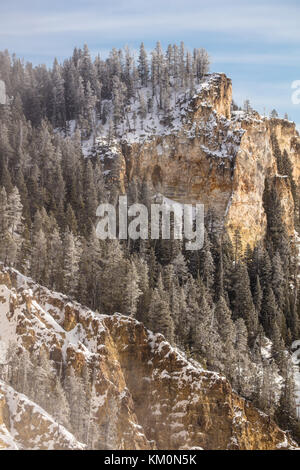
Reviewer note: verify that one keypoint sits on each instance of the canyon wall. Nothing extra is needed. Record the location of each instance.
(210, 155)
(147, 395)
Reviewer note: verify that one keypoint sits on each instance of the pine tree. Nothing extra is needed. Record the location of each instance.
(144, 298)
(273, 114)
(14, 212)
(219, 275)
(59, 406)
(75, 394)
(143, 67)
(58, 97)
(39, 257)
(226, 330)
(207, 267)
(243, 306)
(132, 290)
(268, 389)
(70, 263)
(247, 107)
(278, 281)
(55, 260)
(43, 378)
(286, 411)
(90, 195)
(180, 268)
(113, 274)
(257, 296)
(24, 257)
(242, 379)
(159, 312)
(269, 311)
(278, 352)
(119, 96)
(237, 244)
(202, 62)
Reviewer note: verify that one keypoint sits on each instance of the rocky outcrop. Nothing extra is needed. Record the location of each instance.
(254, 164)
(24, 425)
(148, 395)
(207, 154)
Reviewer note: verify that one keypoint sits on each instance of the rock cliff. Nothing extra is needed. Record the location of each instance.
(147, 395)
(24, 425)
(207, 154)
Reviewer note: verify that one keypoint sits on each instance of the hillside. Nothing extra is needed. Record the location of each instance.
(203, 339)
(206, 152)
(146, 394)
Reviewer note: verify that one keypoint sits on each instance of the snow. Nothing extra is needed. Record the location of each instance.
(178, 122)
(46, 323)
(188, 371)
(284, 444)
(44, 319)
(7, 439)
(266, 349)
(87, 146)
(223, 153)
(18, 405)
(8, 325)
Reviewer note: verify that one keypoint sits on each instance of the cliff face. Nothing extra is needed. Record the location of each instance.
(254, 163)
(147, 394)
(25, 425)
(207, 155)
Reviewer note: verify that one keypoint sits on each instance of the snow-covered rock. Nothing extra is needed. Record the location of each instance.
(147, 393)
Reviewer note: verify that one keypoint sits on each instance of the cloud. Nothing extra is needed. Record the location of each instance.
(270, 20)
(291, 58)
(248, 38)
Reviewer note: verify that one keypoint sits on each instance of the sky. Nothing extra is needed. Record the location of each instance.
(256, 43)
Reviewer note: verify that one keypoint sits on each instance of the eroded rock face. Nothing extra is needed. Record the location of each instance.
(24, 425)
(209, 156)
(255, 162)
(147, 394)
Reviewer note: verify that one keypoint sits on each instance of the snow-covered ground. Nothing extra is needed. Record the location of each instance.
(139, 126)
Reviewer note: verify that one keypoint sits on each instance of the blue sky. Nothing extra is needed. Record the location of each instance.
(256, 43)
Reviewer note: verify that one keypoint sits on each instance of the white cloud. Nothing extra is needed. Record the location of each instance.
(274, 22)
(252, 34)
(289, 58)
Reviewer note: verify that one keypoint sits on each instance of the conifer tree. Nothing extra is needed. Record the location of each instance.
(143, 67)
(227, 333)
(243, 306)
(159, 313)
(132, 290)
(70, 263)
(286, 412)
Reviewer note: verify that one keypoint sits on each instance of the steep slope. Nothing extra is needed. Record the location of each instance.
(206, 154)
(25, 425)
(147, 394)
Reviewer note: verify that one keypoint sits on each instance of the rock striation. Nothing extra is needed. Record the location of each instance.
(148, 395)
(208, 154)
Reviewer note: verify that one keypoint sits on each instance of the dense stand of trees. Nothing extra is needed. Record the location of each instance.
(65, 396)
(219, 304)
(94, 91)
